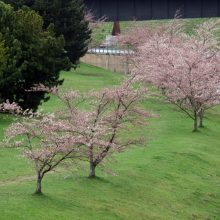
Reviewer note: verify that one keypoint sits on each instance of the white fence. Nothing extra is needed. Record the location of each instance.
(109, 58)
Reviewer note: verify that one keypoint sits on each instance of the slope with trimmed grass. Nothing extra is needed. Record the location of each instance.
(106, 28)
(175, 176)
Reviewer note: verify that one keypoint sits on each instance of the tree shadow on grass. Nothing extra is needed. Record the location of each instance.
(96, 179)
(53, 202)
(90, 74)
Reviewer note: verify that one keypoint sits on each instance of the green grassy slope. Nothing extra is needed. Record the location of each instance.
(106, 27)
(176, 176)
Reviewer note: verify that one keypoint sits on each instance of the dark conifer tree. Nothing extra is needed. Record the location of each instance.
(68, 19)
(34, 56)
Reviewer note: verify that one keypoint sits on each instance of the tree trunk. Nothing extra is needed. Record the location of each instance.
(195, 121)
(201, 116)
(92, 170)
(39, 180)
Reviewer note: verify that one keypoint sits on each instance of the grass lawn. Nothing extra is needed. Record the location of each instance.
(106, 28)
(176, 176)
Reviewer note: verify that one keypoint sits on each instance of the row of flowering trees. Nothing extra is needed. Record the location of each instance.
(185, 68)
(76, 133)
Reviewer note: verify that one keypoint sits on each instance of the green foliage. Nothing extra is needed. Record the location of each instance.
(34, 56)
(68, 19)
(3, 55)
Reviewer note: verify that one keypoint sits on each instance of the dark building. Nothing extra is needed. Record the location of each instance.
(118, 10)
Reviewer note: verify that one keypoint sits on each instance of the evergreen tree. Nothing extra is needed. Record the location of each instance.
(34, 56)
(68, 19)
(3, 55)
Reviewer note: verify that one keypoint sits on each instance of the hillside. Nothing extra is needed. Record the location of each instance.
(175, 176)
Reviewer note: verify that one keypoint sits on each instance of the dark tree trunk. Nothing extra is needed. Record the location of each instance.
(92, 170)
(39, 181)
(195, 121)
(201, 116)
(116, 29)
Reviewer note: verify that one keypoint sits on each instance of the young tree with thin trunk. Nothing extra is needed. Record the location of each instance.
(112, 112)
(109, 112)
(43, 142)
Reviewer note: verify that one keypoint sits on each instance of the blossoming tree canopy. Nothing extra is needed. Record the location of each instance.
(92, 133)
(185, 68)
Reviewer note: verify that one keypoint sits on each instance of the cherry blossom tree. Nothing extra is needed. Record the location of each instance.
(206, 35)
(185, 68)
(112, 111)
(44, 143)
(92, 133)
(108, 114)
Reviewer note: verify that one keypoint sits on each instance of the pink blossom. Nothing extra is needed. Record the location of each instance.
(186, 69)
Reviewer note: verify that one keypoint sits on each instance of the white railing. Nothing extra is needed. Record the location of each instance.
(110, 51)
